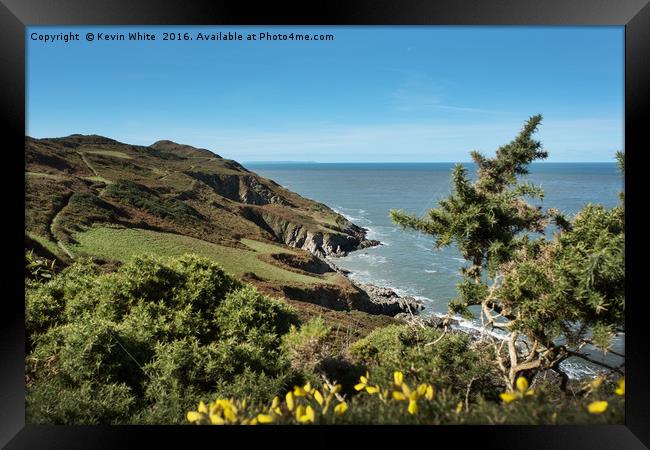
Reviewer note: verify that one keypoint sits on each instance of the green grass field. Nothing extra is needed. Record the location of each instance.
(124, 243)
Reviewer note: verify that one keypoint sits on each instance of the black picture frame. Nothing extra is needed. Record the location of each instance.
(15, 15)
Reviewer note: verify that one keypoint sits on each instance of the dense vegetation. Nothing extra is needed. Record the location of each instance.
(140, 196)
(148, 342)
(144, 343)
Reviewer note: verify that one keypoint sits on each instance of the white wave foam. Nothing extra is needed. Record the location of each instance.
(430, 271)
(577, 370)
(372, 259)
(371, 233)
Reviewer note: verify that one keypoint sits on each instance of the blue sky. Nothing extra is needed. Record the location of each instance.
(372, 94)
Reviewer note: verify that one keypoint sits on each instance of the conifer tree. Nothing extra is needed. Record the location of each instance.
(552, 297)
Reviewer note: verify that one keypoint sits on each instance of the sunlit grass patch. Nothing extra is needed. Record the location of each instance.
(44, 175)
(98, 179)
(266, 248)
(113, 153)
(124, 243)
(46, 243)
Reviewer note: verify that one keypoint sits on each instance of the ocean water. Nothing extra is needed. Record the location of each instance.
(406, 261)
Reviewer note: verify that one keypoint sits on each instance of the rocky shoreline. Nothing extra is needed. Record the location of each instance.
(381, 300)
(389, 302)
(369, 298)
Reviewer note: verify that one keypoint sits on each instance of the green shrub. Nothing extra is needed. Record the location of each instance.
(45, 302)
(54, 402)
(450, 361)
(164, 331)
(308, 345)
(144, 198)
(548, 405)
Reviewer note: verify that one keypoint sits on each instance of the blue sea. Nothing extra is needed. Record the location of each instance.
(406, 261)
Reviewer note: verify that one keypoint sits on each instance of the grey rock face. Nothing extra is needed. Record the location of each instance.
(381, 300)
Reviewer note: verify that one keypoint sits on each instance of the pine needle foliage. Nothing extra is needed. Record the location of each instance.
(553, 296)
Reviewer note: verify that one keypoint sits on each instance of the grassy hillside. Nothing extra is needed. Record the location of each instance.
(123, 244)
(94, 196)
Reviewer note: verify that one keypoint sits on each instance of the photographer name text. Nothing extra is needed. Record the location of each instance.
(177, 36)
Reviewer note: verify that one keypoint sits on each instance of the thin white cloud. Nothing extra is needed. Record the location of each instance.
(420, 92)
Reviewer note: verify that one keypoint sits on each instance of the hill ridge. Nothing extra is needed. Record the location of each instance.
(88, 195)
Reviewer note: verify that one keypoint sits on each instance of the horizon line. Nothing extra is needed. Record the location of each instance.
(406, 162)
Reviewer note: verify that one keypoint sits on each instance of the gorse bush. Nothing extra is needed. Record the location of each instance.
(151, 337)
(577, 278)
(308, 345)
(137, 195)
(398, 402)
(453, 360)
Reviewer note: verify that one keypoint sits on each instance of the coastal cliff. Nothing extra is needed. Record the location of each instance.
(88, 195)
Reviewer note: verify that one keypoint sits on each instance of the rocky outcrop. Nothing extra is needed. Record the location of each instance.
(382, 300)
(317, 240)
(243, 188)
(306, 262)
(436, 321)
(366, 298)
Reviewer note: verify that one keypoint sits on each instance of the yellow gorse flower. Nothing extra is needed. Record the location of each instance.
(305, 415)
(522, 384)
(522, 391)
(219, 412)
(265, 418)
(318, 397)
(275, 406)
(299, 391)
(289, 400)
(364, 384)
(402, 392)
(216, 419)
(194, 416)
(306, 404)
(429, 393)
(341, 408)
(620, 390)
(398, 378)
(413, 407)
(595, 384)
(597, 407)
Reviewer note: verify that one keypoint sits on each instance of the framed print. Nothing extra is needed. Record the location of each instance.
(349, 219)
